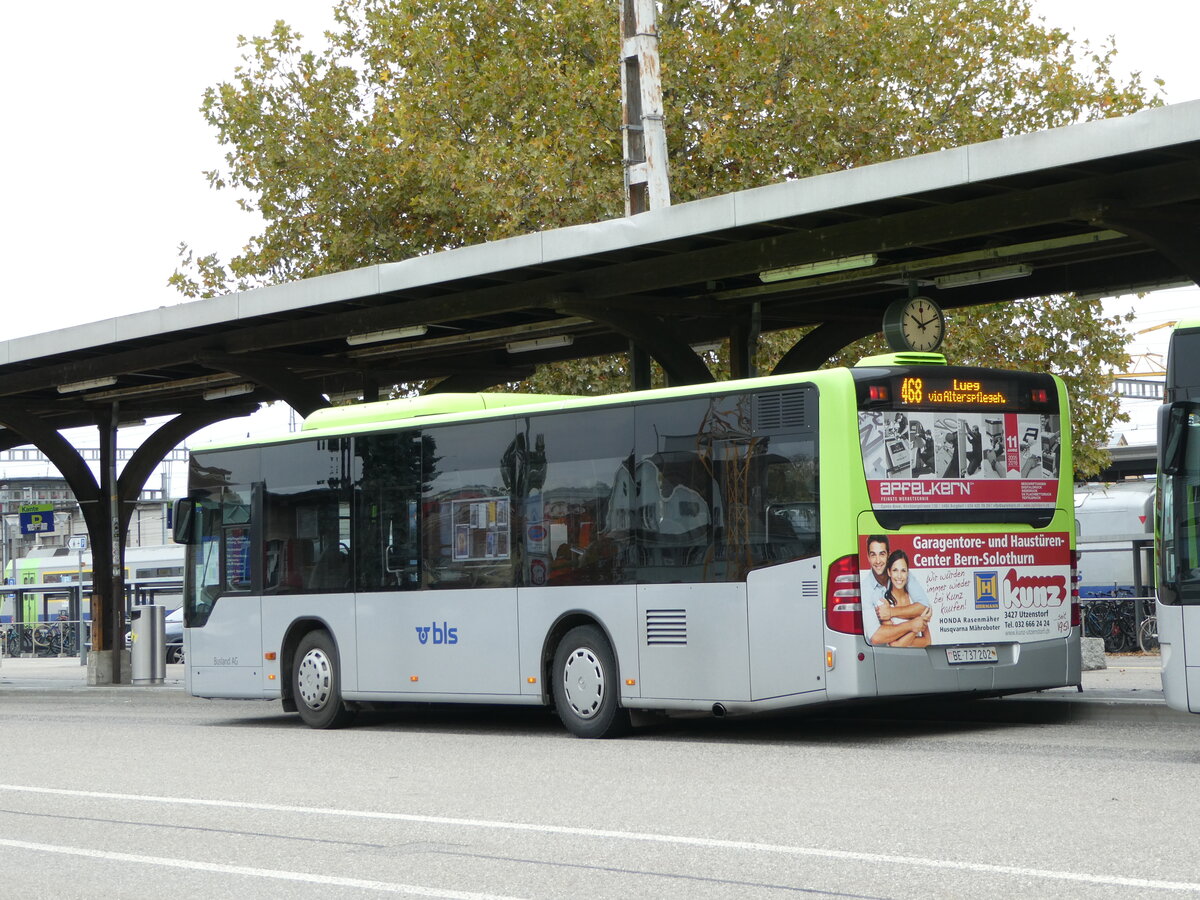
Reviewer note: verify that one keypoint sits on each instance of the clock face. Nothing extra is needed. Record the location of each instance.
(914, 324)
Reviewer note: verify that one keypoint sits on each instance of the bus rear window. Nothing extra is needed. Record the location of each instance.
(951, 448)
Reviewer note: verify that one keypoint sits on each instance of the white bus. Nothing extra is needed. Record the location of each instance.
(703, 549)
(1177, 522)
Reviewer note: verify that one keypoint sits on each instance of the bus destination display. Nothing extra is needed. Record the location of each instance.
(961, 393)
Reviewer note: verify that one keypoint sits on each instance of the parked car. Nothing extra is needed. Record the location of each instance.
(174, 636)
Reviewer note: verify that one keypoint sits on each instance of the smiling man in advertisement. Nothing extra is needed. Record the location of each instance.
(895, 608)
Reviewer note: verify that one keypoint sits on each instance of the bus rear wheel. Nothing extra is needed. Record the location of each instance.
(316, 683)
(585, 685)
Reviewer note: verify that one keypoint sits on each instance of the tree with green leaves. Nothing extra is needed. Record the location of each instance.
(422, 125)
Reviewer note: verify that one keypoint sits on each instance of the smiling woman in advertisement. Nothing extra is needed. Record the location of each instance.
(906, 604)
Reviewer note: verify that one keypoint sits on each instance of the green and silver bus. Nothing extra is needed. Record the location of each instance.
(899, 528)
(1177, 522)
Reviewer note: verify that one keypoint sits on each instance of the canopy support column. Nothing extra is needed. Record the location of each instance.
(816, 347)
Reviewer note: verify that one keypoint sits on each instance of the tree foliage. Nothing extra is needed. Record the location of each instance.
(427, 124)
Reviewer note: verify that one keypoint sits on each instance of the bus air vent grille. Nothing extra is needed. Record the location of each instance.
(666, 626)
(781, 409)
(810, 589)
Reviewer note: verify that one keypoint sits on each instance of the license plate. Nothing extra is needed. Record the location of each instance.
(957, 655)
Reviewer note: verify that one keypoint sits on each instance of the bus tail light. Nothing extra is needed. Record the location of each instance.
(1076, 609)
(843, 599)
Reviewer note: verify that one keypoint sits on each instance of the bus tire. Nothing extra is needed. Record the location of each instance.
(317, 683)
(585, 685)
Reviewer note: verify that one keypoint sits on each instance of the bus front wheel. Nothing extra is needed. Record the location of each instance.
(586, 686)
(316, 683)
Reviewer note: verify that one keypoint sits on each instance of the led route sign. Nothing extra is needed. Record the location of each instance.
(919, 390)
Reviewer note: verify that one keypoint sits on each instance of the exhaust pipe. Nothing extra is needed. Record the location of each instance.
(718, 710)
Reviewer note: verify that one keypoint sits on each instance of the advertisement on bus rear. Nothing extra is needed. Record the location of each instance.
(960, 460)
(927, 589)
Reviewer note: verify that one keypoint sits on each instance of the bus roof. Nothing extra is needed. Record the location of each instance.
(447, 408)
(364, 418)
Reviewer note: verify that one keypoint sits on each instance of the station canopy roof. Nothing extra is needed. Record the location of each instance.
(1100, 207)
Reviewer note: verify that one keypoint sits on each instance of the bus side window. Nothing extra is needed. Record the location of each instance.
(388, 469)
(466, 496)
(791, 501)
(306, 527)
(577, 496)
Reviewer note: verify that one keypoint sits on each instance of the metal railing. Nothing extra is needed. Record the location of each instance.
(60, 637)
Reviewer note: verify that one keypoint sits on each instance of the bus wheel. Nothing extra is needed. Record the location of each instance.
(316, 683)
(585, 685)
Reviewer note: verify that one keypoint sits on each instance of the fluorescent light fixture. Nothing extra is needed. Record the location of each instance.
(712, 347)
(107, 381)
(389, 334)
(805, 270)
(233, 390)
(542, 343)
(983, 276)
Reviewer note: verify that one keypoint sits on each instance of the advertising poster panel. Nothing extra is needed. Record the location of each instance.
(1001, 587)
(960, 460)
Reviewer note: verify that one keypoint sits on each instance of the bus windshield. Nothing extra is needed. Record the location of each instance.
(1179, 534)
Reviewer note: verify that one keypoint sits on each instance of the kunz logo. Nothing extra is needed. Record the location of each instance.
(442, 634)
(987, 590)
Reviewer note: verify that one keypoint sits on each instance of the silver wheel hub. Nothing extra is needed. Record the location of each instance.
(583, 682)
(314, 678)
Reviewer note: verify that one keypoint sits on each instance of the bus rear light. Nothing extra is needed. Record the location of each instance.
(843, 599)
(1076, 608)
(877, 392)
(830, 658)
(1039, 395)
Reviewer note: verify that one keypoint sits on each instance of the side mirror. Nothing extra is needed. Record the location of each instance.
(1174, 425)
(183, 518)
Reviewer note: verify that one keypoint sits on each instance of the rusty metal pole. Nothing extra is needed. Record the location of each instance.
(645, 137)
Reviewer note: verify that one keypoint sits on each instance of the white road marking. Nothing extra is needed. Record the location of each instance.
(644, 837)
(278, 874)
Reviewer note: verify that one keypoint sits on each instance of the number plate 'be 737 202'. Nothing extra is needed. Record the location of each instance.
(956, 655)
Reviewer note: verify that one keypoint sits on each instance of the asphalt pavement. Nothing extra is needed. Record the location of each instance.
(1130, 686)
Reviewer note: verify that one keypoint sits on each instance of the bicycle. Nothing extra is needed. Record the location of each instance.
(19, 640)
(41, 636)
(1112, 619)
(69, 638)
(1148, 632)
(64, 638)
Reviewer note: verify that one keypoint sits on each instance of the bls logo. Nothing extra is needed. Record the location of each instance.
(442, 634)
(987, 588)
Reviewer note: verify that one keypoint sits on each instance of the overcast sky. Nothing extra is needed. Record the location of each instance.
(105, 147)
